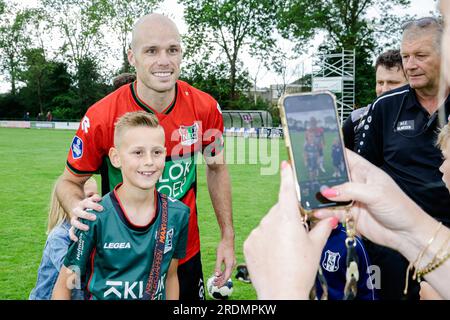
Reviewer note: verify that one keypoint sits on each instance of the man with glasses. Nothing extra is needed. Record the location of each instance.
(399, 136)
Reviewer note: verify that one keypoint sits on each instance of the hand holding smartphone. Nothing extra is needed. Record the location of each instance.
(315, 146)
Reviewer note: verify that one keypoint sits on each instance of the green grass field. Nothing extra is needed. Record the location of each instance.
(30, 162)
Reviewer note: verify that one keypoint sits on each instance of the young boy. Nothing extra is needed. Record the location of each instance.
(131, 250)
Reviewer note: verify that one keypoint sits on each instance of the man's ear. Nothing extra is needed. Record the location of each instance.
(130, 55)
(114, 157)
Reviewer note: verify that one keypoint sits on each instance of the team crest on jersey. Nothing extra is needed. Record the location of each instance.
(169, 237)
(189, 134)
(77, 147)
(331, 261)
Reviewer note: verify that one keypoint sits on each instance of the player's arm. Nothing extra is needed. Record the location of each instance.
(62, 289)
(219, 187)
(70, 193)
(172, 284)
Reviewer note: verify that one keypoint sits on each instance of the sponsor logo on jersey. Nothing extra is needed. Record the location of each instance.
(125, 289)
(331, 261)
(85, 124)
(77, 147)
(189, 134)
(168, 245)
(117, 245)
(177, 178)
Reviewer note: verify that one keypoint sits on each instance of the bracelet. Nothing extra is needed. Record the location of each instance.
(432, 266)
(419, 258)
(438, 260)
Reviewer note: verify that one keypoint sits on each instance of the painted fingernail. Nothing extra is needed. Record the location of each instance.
(330, 193)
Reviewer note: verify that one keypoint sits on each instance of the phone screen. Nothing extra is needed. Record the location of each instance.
(316, 146)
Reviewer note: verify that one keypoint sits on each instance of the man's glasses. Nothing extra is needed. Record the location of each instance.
(421, 23)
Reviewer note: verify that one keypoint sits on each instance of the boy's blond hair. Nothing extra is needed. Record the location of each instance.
(444, 135)
(134, 120)
(56, 213)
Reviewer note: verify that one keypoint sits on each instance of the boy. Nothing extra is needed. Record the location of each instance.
(131, 250)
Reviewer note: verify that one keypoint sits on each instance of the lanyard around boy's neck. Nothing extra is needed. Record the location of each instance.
(155, 271)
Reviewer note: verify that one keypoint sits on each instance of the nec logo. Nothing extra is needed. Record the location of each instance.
(117, 245)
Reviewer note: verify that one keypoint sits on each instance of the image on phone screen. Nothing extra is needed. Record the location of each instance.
(316, 146)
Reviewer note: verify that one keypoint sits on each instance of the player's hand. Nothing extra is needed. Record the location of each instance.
(281, 256)
(79, 212)
(225, 256)
(382, 212)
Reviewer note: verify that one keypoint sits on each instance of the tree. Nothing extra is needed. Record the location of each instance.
(79, 22)
(14, 38)
(232, 26)
(123, 15)
(214, 79)
(34, 74)
(347, 26)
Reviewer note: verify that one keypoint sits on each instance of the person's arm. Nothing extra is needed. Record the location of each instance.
(282, 257)
(62, 290)
(427, 292)
(384, 214)
(219, 187)
(70, 193)
(172, 284)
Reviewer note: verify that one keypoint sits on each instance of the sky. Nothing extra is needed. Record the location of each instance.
(265, 78)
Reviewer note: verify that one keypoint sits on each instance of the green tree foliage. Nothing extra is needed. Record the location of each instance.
(232, 26)
(91, 86)
(347, 26)
(14, 39)
(46, 83)
(214, 79)
(123, 15)
(79, 23)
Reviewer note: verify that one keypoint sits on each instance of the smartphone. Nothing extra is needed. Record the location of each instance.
(315, 146)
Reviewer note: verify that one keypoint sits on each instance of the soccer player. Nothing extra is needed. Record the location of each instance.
(131, 250)
(318, 138)
(311, 156)
(337, 156)
(193, 123)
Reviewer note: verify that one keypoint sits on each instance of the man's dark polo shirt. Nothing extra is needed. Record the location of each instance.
(399, 136)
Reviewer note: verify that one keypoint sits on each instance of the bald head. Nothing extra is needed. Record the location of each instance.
(150, 24)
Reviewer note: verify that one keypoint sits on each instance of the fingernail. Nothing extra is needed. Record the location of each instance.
(330, 193)
(334, 222)
(284, 164)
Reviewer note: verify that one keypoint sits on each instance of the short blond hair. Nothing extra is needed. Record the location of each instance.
(134, 120)
(444, 135)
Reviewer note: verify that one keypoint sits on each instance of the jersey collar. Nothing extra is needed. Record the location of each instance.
(146, 107)
(123, 215)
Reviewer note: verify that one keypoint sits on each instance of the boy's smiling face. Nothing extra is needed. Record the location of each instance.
(141, 156)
